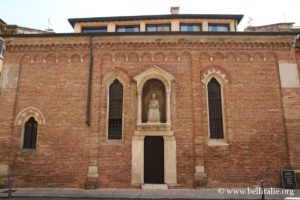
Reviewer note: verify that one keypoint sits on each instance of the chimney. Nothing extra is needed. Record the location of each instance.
(174, 10)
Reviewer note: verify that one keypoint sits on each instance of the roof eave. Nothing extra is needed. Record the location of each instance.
(72, 21)
(154, 34)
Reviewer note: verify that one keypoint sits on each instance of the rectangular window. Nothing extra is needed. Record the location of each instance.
(128, 29)
(158, 28)
(190, 27)
(94, 30)
(218, 27)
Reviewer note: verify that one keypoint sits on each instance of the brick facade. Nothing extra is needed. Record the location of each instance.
(261, 118)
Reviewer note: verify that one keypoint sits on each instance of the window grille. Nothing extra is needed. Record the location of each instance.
(215, 109)
(115, 110)
(30, 134)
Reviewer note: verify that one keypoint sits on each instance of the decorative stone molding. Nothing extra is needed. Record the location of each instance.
(154, 72)
(52, 58)
(169, 43)
(117, 58)
(30, 112)
(213, 72)
(241, 57)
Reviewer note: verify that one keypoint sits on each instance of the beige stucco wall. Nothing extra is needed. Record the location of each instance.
(289, 77)
(9, 76)
(175, 24)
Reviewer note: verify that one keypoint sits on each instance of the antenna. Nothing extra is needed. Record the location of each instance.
(250, 21)
(49, 24)
(284, 16)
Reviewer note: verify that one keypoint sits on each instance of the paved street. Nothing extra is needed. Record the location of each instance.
(201, 194)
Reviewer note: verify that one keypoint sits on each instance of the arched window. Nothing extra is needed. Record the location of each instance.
(215, 110)
(30, 134)
(115, 110)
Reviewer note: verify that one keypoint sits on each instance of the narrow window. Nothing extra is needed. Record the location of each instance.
(215, 109)
(190, 27)
(218, 27)
(30, 134)
(115, 110)
(128, 29)
(158, 28)
(94, 30)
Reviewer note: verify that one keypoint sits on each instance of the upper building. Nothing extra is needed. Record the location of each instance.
(176, 100)
(158, 23)
(15, 29)
(278, 27)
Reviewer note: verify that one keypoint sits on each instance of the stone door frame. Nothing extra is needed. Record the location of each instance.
(137, 168)
(157, 129)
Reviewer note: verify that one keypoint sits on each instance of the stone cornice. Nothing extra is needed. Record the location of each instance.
(142, 46)
(199, 43)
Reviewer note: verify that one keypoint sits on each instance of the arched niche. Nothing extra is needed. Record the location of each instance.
(154, 79)
(157, 87)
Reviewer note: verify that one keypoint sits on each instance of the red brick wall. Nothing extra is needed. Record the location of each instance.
(59, 91)
(291, 103)
(253, 123)
(57, 85)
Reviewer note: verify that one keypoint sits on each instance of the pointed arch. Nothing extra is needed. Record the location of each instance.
(30, 112)
(38, 58)
(51, 58)
(146, 57)
(172, 57)
(216, 72)
(159, 57)
(133, 57)
(25, 59)
(30, 119)
(63, 58)
(75, 58)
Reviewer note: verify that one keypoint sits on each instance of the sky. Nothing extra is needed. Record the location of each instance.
(36, 13)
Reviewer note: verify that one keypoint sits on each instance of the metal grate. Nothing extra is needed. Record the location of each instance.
(215, 109)
(115, 110)
(30, 134)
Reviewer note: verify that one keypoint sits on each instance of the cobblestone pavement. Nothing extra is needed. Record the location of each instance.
(114, 194)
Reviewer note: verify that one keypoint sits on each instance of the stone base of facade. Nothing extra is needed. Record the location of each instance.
(200, 177)
(92, 179)
(3, 175)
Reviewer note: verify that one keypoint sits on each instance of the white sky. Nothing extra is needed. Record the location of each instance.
(35, 13)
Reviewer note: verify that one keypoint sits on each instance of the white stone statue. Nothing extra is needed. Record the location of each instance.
(153, 110)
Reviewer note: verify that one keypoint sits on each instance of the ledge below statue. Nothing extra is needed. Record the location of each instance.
(153, 127)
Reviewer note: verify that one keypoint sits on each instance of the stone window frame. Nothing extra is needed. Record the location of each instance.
(108, 84)
(222, 82)
(21, 120)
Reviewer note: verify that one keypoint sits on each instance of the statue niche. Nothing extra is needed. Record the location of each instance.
(154, 102)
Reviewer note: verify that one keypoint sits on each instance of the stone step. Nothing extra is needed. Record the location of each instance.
(154, 186)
